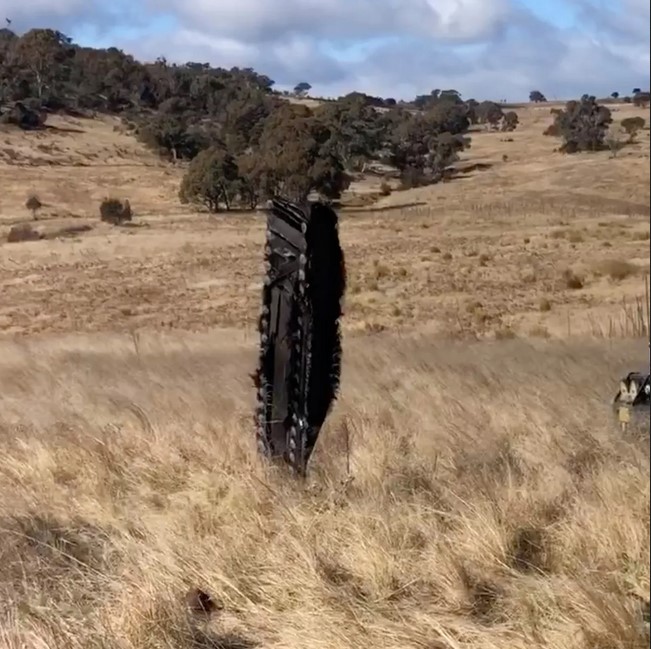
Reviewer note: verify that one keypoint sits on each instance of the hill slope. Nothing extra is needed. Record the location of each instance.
(479, 254)
(463, 494)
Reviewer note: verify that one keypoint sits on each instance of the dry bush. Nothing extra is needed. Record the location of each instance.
(33, 204)
(492, 507)
(115, 211)
(572, 280)
(23, 232)
(617, 269)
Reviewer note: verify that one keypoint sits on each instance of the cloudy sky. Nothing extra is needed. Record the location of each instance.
(498, 49)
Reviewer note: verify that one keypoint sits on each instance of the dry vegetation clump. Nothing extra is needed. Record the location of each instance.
(33, 204)
(23, 232)
(632, 125)
(486, 505)
(617, 269)
(115, 211)
(572, 280)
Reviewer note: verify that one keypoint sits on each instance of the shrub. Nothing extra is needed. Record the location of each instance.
(33, 204)
(615, 145)
(115, 211)
(510, 121)
(632, 125)
(545, 305)
(212, 180)
(583, 125)
(572, 280)
(552, 130)
(23, 232)
(24, 117)
(412, 177)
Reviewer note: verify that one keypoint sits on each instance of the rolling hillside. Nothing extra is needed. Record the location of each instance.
(470, 488)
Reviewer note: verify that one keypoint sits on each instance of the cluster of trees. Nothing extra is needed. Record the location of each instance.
(45, 69)
(584, 125)
(242, 139)
(638, 97)
(298, 151)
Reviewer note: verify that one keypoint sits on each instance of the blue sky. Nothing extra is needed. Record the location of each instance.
(560, 13)
(498, 49)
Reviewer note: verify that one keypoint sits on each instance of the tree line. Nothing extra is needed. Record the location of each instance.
(244, 141)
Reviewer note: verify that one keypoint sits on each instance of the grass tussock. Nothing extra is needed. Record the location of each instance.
(456, 500)
(617, 269)
(572, 280)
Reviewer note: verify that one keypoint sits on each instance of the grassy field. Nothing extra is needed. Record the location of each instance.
(537, 244)
(469, 490)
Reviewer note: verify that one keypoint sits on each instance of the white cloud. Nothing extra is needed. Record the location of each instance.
(619, 19)
(262, 20)
(290, 59)
(513, 51)
(19, 11)
(483, 48)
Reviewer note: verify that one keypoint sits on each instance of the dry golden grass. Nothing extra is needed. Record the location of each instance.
(463, 494)
(461, 497)
(417, 259)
